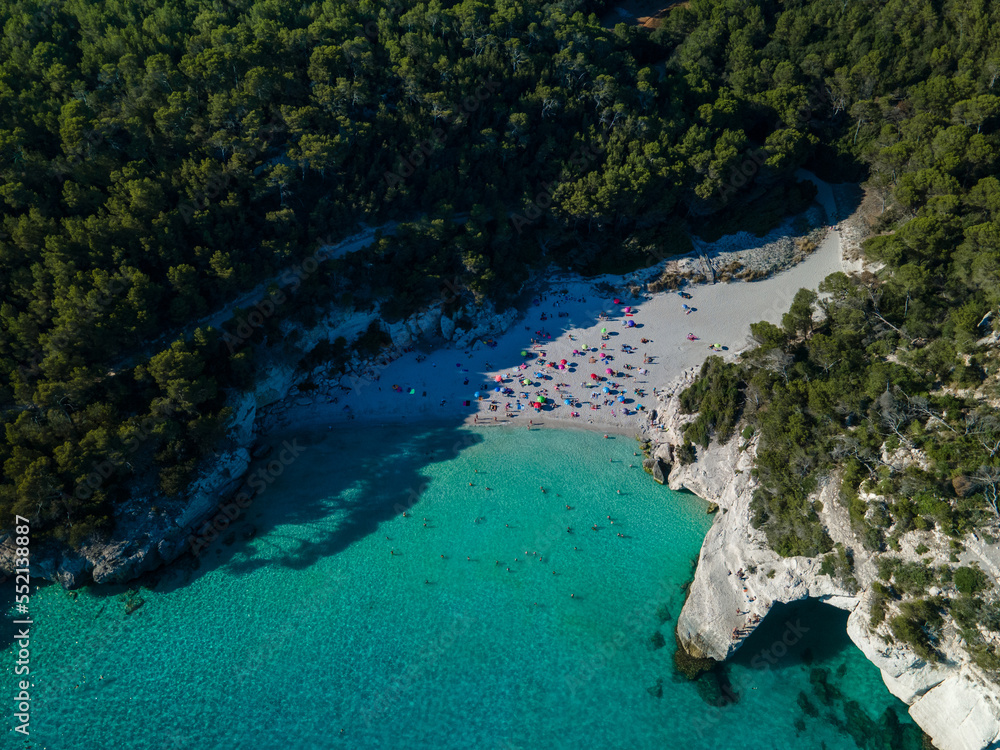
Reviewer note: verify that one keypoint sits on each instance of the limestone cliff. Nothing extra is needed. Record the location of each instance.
(953, 701)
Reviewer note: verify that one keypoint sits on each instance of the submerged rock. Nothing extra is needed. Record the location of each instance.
(656, 690)
(692, 665)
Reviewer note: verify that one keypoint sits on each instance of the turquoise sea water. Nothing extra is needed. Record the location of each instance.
(474, 621)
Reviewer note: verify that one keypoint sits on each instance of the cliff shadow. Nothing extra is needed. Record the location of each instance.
(339, 489)
(812, 635)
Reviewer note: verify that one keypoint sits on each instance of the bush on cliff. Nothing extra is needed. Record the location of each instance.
(717, 399)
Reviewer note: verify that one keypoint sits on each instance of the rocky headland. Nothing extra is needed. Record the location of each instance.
(739, 579)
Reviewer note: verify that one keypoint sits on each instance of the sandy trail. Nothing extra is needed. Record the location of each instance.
(447, 378)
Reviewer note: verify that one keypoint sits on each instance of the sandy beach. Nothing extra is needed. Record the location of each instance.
(596, 361)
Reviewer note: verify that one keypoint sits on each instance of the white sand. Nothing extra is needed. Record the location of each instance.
(723, 314)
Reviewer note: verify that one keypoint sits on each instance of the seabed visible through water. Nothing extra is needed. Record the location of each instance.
(489, 616)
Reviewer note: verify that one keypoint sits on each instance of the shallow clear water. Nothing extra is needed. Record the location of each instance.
(340, 624)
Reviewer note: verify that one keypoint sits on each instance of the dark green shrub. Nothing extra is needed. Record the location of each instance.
(970, 580)
(685, 454)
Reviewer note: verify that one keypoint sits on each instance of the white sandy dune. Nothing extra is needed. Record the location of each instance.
(722, 314)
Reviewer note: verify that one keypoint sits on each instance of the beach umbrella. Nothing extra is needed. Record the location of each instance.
(576, 351)
(604, 330)
(477, 394)
(606, 389)
(562, 367)
(541, 399)
(497, 389)
(631, 324)
(609, 371)
(592, 377)
(617, 301)
(566, 401)
(562, 361)
(628, 309)
(498, 378)
(524, 353)
(621, 399)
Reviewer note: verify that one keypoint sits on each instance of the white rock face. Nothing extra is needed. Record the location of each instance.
(953, 701)
(959, 714)
(277, 379)
(447, 327)
(207, 491)
(244, 407)
(429, 322)
(401, 334)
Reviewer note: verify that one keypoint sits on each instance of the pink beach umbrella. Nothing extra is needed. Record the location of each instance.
(609, 371)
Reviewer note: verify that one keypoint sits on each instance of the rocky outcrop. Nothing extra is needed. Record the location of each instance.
(658, 468)
(739, 579)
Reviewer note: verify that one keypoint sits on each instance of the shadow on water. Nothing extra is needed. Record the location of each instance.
(813, 635)
(385, 482)
(801, 632)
